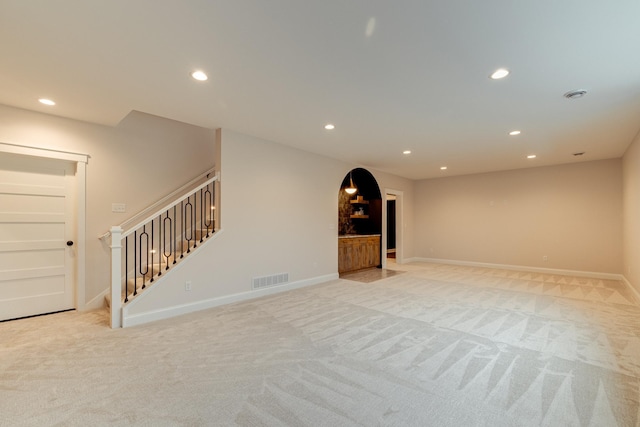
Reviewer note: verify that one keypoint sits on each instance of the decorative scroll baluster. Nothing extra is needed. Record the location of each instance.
(175, 248)
(208, 210)
(182, 229)
(201, 217)
(144, 236)
(194, 220)
(167, 223)
(152, 252)
(159, 245)
(188, 236)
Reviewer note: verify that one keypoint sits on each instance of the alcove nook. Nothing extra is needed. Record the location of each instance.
(359, 222)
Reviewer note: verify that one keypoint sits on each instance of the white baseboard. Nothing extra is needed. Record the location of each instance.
(169, 312)
(635, 291)
(576, 273)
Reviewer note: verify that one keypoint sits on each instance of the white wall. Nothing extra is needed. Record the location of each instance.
(631, 222)
(279, 213)
(137, 162)
(569, 213)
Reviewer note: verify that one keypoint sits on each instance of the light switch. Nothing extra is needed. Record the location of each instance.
(118, 207)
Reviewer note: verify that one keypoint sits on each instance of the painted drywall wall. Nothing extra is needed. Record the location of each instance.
(631, 215)
(279, 214)
(571, 214)
(138, 162)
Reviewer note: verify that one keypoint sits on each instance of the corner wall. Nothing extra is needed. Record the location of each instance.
(279, 214)
(631, 214)
(569, 213)
(137, 162)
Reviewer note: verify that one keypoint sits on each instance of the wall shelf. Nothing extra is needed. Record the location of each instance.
(354, 216)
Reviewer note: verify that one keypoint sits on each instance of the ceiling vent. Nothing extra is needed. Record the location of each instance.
(575, 94)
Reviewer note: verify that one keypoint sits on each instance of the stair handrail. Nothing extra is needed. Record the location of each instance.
(169, 205)
(180, 190)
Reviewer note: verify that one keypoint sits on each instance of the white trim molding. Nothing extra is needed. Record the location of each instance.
(635, 291)
(576, 273)
(43, 152)
(169, 312)
(81, 161)
(399, 194)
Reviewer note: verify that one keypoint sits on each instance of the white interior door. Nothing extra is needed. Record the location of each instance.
(37, 212)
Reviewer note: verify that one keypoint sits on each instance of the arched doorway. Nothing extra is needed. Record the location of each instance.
(359, 222)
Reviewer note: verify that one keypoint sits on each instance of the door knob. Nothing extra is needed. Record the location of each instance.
(69, 243)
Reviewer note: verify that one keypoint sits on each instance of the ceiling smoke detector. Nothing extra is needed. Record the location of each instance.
(575, 94)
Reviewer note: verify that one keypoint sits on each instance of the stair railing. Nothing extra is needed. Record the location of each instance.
(146, 251)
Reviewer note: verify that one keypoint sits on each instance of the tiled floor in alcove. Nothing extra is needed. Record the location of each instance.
(370, 274)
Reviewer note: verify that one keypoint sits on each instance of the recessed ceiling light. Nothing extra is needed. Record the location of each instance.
(406, 152)
(329, 126)
(531, 156)
(500, 73)
(515, 132)
(46, 101)
(199, 75)
(443, 168)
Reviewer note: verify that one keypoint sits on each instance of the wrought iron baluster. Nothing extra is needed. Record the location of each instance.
(167, 255)
(201, 217)
(194, 222)
(144, 236)
(152, 252)
(175, 218)
(213, 207)
(183, 231)
(188, 227)
(208, 210)
(159, 245)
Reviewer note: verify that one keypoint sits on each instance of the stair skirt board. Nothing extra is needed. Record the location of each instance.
(166, 313)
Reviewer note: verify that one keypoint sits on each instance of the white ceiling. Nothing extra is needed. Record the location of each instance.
(391, 75)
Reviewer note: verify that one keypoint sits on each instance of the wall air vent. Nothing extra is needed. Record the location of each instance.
(267, 281)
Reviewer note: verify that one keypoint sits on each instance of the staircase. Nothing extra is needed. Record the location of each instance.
(146, 253)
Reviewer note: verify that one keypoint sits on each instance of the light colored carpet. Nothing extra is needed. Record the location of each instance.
(436, 346)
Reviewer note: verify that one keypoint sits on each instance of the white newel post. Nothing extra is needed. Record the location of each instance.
(116, 277)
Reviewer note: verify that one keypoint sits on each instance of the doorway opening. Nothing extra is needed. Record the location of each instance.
(359, 222)
(392, 236)
(42, 221)
(391, 226)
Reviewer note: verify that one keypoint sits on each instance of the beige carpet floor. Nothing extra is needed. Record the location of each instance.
(435, 346)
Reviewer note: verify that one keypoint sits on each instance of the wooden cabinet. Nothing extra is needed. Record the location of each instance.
(358, 252)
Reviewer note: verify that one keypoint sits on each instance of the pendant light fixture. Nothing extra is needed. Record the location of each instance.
(351, 189)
